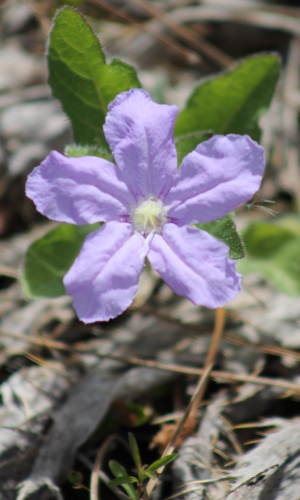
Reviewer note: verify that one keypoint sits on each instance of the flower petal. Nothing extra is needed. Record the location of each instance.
(140, 134)
(79, 190)
(104, 278)
(219, 175)
(195, 265)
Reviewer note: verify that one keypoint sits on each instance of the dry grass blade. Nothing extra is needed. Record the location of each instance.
(218, 376)
(213, 349)
(9, 272)
(195, 487)
(38, 341)
(228, 337)
(264, 19)
(190, 56)
(186, 35)
(50, 365)
(266, 349)
(190, 413)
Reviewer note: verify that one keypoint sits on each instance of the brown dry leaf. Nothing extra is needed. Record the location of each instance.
(165, 435)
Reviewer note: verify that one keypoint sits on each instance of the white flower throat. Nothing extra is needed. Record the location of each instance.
(149, 216)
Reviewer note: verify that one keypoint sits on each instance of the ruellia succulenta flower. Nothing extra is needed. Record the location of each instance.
(148, 207)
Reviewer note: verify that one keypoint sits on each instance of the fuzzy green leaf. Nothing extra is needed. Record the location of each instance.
(273, 250)
(49, 258)
(224, 229)
(81, 79)
(232, 102)
(264, 239)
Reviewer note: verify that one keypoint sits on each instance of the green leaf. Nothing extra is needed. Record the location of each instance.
(273, 250)
(263, 239)
(161, 462)
(290, 222)
(49, 258)
(81, 79)
(188, 142)
(120, 480)
(135, 451)
(224, 229)
(232, 102)
(119, 471)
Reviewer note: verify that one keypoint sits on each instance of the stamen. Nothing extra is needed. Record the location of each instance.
(149, 216)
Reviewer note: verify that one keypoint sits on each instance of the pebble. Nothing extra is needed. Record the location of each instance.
(18, 68)
(15, 16)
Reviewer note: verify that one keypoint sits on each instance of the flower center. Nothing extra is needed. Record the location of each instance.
(148, 216)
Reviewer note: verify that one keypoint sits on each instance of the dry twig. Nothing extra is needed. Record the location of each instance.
(171, 446)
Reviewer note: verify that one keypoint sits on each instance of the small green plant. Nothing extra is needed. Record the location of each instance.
(134, 485)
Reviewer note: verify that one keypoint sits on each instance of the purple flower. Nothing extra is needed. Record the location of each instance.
(148, 206)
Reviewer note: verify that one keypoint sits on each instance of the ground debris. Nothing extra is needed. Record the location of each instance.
(95, 393)
(272, 469)
(28, 399)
